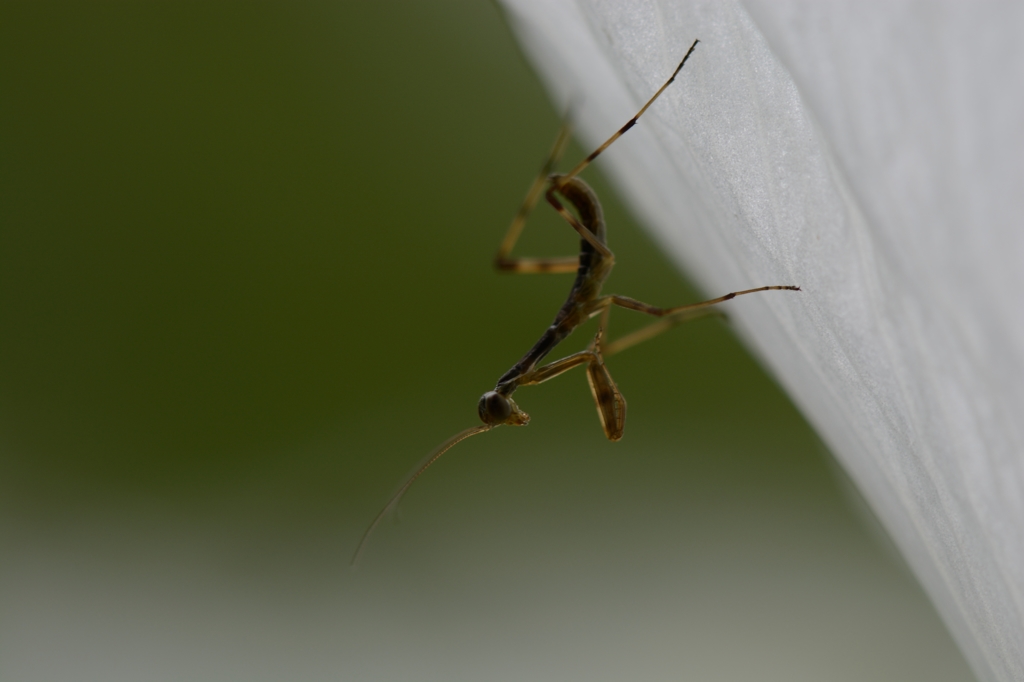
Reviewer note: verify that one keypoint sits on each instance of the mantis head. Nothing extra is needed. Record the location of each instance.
(496, 409)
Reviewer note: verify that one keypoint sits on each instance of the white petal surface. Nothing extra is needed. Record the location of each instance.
(874, 155)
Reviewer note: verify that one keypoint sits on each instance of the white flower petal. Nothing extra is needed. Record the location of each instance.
(874, 155)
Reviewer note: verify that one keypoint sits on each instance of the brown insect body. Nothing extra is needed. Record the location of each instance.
(592, 266)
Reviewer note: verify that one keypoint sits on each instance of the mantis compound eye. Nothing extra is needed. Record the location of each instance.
(494, 408)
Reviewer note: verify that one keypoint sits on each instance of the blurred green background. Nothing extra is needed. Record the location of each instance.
(245, 284)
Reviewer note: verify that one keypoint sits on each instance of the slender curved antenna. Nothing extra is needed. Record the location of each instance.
(397, 497)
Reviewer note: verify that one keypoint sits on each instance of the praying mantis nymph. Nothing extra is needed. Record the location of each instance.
(592, 267)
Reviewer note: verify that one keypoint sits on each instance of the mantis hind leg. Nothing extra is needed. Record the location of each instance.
(503, 261)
